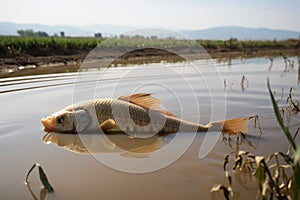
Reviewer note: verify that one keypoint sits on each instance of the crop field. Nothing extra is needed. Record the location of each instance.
(40, 46)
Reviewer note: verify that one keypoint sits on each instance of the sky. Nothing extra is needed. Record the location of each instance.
(174, 14)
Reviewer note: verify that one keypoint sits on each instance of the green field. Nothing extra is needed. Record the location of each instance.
(12, 45)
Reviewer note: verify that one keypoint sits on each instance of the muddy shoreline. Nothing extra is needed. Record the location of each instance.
(25, 64)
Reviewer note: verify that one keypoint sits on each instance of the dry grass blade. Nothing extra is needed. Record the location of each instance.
(225, 162)
(295, 105)
(226, 190)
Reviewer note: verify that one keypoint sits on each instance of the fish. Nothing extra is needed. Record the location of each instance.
(134, 113)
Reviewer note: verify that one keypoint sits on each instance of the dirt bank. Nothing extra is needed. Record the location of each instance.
(48, 62)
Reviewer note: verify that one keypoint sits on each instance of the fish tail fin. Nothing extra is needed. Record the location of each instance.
(231, 126)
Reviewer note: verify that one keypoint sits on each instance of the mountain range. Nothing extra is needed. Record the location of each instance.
(107, 30)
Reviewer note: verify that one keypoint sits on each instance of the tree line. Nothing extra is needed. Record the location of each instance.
(31, 33)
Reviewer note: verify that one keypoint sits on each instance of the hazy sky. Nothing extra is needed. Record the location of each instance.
(188, 14)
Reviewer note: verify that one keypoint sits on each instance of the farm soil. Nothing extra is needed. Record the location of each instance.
(43, 62)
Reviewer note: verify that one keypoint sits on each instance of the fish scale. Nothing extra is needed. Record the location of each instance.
(128, 116)
(134, 118)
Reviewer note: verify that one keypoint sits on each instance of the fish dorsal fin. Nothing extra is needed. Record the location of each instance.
(142, 99)
(146, 100)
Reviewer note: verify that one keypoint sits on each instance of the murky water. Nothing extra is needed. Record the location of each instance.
(191, 92)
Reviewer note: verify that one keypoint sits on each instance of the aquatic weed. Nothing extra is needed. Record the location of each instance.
(43, 177)
(272, 172)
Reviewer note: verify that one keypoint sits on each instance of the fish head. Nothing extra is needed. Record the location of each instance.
(62, 121)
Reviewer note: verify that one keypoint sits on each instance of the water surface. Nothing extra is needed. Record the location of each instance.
(25, 100)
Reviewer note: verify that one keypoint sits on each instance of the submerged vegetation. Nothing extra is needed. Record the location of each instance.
(277, 175)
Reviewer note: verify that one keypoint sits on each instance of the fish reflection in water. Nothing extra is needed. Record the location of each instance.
(112, 143)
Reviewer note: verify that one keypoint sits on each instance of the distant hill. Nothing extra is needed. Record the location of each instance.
(216, 33)
(241, 33)
(8, 28)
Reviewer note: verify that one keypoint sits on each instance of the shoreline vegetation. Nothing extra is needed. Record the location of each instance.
(21, 56)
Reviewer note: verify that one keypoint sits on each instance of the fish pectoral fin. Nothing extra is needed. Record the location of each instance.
(146, 100)
(108, 124)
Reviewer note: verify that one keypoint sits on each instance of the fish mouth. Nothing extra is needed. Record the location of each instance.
(48, 123)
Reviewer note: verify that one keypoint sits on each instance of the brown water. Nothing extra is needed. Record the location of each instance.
(25, 100)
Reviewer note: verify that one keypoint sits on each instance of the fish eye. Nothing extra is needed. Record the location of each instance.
(60, 120)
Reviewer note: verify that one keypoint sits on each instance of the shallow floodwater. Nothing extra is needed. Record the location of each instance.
(192, 92)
